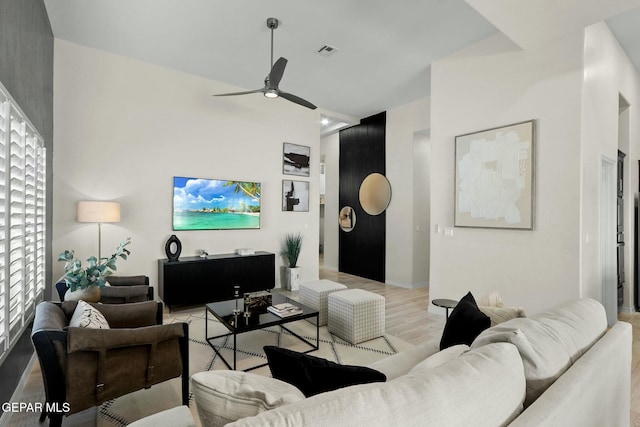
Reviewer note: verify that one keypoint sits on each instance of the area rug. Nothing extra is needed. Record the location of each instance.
(126, 409)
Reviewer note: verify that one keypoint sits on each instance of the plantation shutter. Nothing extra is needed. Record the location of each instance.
(16, 221)
(22, 221)
(4, 114)
(40, 223)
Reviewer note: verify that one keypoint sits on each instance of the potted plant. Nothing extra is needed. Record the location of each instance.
(293, 246)
(85, 282)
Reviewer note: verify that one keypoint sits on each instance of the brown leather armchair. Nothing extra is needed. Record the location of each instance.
(83, 367)
(122, 289)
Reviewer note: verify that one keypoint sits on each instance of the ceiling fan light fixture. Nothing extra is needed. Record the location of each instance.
(270, 89)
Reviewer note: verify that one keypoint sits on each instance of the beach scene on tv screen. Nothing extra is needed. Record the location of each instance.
(212, 204)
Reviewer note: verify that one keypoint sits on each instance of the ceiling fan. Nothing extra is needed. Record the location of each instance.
(270, 89)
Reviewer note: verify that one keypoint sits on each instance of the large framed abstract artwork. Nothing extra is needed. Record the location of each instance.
(495, 177)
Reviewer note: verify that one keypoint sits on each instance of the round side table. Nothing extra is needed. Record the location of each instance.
(448, 304)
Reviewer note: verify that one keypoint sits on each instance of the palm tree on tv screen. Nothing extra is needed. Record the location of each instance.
(251, 189)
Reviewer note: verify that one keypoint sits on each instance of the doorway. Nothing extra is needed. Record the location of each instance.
(608, 219)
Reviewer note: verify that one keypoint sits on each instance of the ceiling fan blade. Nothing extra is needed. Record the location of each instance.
(240, 93)
(276, 72)
(297, 100)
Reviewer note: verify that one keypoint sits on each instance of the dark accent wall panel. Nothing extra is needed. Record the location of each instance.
(26, 60)
(362, 152)
(26, 70)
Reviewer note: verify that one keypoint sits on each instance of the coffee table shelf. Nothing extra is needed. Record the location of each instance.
(223, 312)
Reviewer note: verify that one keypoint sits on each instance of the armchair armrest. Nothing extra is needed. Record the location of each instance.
(49, 317)
(85, 339)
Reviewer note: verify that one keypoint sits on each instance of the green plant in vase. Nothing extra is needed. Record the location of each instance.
(293, 246)
(95, 274)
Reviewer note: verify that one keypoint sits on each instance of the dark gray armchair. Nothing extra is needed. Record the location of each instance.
(123, 289)
(85, 367)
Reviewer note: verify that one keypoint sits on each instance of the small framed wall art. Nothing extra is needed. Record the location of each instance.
(295, 196)
(494, 182)
(295, 159)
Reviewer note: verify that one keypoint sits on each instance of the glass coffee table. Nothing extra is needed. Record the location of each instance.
(237, 324)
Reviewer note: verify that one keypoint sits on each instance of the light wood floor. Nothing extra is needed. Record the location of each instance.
(406, 318)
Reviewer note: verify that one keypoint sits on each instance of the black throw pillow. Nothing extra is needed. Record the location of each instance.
(313, 375)
(464, 324)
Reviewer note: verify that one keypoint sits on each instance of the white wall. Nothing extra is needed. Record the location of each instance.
(124, 128)
(608, 73)
(421, 207)
(407, 222)
(494, 83)
(330, 150)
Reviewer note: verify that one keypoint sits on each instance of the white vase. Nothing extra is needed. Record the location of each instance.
(89, 294)
(292, 278)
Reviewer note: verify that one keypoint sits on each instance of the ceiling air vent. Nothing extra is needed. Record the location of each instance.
(326, 50)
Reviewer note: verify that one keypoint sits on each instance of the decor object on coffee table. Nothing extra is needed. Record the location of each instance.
(356, 315)
(98, 212)
(85, 283)
(315, 294)
(292, 248)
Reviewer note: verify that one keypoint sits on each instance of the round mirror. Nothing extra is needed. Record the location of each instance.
(375, 194)
(347, 219)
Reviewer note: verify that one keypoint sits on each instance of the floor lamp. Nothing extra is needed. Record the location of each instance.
(94, 211)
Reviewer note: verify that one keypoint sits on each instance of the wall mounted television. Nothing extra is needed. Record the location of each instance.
(214, 204)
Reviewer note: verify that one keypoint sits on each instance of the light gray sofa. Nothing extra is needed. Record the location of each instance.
(558, 368)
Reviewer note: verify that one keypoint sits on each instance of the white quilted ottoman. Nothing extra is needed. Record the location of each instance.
(315, 293)
(356, 315)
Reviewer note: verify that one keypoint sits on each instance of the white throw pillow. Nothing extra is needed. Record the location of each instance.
(226, 396)
(86, 316)
(501, 314)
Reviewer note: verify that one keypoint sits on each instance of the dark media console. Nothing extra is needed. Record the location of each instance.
(196, 280)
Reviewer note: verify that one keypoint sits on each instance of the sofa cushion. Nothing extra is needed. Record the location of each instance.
(87, 316)
(464, 324)
(550, 342)
(484, 387)
(225, 396)
(439, 358)
(313, 375)
(401, 363)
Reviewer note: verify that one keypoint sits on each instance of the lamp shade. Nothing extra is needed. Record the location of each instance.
(93, 211)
